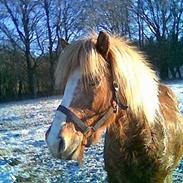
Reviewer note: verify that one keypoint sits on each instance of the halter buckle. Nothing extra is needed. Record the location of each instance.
(89, 128)
(116, 86)
(114, 106)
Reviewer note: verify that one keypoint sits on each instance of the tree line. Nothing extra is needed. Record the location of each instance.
(31, 30)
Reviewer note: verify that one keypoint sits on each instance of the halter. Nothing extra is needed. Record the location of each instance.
(83, 127)
(86, 129)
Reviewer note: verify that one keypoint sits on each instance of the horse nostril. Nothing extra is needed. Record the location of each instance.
(61, 144)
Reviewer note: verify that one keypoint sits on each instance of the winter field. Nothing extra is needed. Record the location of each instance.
(24, 156)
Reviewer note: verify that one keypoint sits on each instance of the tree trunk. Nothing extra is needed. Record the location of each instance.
(178, 71)
(52, 79)
(20, 88)
(31, 74)
(164, 72)
(173, 73)
(51, 60)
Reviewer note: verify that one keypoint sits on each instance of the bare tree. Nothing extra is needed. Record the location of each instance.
(174, 35)
(176, 12)
(156, 15)
(23, 17)
(48, 11)
(61, 19)
(113, 16)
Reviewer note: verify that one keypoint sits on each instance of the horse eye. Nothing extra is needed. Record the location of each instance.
(94, 83)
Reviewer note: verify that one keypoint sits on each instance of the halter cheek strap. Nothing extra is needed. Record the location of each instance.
(116, 100)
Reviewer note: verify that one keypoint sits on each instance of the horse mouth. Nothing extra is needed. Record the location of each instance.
(66, 148)
(71, 154)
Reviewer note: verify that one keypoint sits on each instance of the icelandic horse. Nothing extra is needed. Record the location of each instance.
(108, 84)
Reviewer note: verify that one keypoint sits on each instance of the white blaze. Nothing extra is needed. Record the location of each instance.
(60, 118)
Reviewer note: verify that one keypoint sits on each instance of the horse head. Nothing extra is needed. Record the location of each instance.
(90, 98)
(98, 75)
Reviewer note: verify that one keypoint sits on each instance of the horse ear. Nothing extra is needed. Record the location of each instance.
(63, 43)
(103, 43)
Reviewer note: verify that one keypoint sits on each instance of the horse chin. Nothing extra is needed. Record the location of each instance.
(72, 150)
(74, 154)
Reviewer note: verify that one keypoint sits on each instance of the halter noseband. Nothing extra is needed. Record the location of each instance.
(84, 128)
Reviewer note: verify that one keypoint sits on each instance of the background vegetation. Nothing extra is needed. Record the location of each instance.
(30, 32)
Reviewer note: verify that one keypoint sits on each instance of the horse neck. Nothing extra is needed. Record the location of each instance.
(126, 124)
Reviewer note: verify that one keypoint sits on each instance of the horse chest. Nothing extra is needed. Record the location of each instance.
(127, 157)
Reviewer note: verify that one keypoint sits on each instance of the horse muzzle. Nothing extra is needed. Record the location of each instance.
(66, 146)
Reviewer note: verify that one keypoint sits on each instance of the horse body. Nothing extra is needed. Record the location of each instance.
(108, 84)
(136, 152)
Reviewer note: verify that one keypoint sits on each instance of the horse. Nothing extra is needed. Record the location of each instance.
(108, 84)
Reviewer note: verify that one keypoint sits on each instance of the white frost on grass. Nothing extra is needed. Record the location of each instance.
(24, 156)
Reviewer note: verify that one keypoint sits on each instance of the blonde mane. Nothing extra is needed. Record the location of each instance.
(138, 83)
